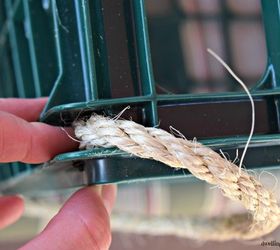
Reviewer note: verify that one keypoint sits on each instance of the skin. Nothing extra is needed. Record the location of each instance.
(83, 221)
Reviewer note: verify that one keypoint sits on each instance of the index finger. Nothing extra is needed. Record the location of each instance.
(27, 109)
(33, 142)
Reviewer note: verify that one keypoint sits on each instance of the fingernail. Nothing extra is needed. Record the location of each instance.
(97, 189)
(108, 196)
(20, 196)
(107, 206)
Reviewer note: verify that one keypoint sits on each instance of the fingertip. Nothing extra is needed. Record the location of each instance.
(49, 141)
(35, 142)
(11, 209)
(87, 204)
(82, 223)
(28, 109)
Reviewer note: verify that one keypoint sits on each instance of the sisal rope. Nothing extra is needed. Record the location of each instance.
(263, 214)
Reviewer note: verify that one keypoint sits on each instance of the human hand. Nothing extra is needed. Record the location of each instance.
(83, 222)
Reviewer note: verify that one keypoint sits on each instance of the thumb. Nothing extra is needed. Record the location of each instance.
(82, 223)
(11, 208)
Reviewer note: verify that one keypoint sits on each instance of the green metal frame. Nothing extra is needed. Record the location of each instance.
(267, 86)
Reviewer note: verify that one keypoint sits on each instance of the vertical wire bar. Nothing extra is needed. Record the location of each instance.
(86, 49)
(58, 53)
(33, 58)
(143, 46)
(14, 47)
(271, 19)
(100, 50)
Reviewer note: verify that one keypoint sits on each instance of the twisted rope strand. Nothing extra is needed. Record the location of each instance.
(153, 143)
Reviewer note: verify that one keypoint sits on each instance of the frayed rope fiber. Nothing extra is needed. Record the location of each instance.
(153, 143)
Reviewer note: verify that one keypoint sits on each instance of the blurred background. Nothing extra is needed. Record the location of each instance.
(177, 197)
(180, 31)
